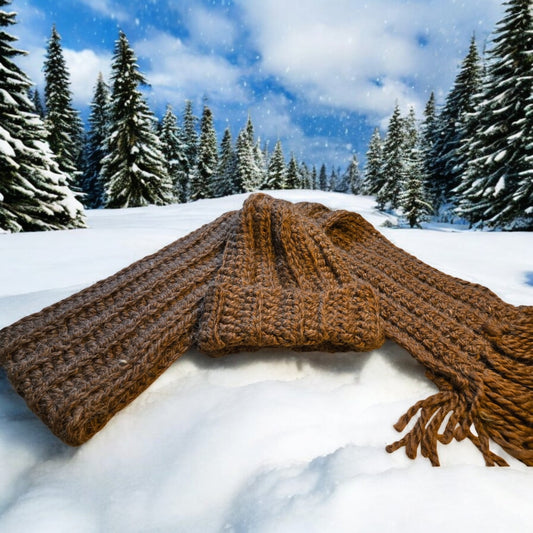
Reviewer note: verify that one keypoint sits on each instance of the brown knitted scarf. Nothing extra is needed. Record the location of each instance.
(276, 274)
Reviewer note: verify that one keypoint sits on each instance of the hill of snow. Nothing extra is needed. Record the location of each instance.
(274, 441)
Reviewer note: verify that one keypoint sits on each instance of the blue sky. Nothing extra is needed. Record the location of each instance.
(319, 75)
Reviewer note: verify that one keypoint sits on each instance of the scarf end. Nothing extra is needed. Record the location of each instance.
(425, 433)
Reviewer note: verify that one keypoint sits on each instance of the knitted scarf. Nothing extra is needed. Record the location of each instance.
(297, 276)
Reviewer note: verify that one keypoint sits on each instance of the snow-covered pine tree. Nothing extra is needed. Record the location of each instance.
(133, 172)
(260, 168)
(373, 171)
(95, 148)
(444, 171)
(351, 179)
(189, 139)
(523, 198)
(341, 182)
(251, 166)
(503, 141)
(266, 154)
(245, 164)
(249, 128)
(393, 159)
(428, 135)
(174, 153)
(305, 176)
(314, 178)
(33, 191)
(411, 137)
(333, 179)
(292, 176)
(323, 178)
(277, 170)
(413, 198)
(223, 184)
(202, 178)
(63, 122)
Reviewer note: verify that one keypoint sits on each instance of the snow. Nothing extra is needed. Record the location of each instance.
(274, 441)
(5, 149)
(7, 98)
(499, 186)
(500, 155)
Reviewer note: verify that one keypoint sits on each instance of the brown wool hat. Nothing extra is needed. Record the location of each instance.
(283, 284)
(290, 275)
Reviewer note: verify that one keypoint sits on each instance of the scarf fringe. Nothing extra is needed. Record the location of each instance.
(425, 433)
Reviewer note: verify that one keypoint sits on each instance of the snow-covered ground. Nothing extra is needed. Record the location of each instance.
(264, 442)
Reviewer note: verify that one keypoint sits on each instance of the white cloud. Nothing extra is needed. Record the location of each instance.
(108, 8)
(84, 67)
(365, 56)
(210, 29)
(178, 70)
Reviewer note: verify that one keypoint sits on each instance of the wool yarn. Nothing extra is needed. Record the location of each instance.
(276, 274)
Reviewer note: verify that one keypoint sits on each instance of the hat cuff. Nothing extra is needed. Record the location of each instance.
(248, 318)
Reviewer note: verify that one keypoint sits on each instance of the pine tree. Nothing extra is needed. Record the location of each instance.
(33, 190)
(393, 159)
(249, 128)
(314, 179)
(63, 122)
(323, 178)
(292, 177)
(254, 172)
(427, 142)
(351, 179)
(201, 184)
(374, 177)
(260, 169)
(95, 150)
(223, 184)
(190, 139)
(410, 132)
(342, 182)
(133, 172)
(444, 171)
(332, 180)
(495, 185)
(523, 198)
(305, 177)
(174, 153)
(413, 199)
(276, 169)
(245, 164)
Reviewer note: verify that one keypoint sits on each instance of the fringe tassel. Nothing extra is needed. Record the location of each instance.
(425, 433)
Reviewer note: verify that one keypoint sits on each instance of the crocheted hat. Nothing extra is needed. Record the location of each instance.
(283, 284)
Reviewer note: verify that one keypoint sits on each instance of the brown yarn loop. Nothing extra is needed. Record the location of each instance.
(276, 274)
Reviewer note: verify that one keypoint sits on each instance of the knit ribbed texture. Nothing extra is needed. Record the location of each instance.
(82, 360)
(283, 284)
(476, 348)
(297, 276)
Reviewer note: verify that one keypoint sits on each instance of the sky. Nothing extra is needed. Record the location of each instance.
(319, 75)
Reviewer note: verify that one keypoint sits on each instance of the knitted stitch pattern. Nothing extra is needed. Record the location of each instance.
(296, 276)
